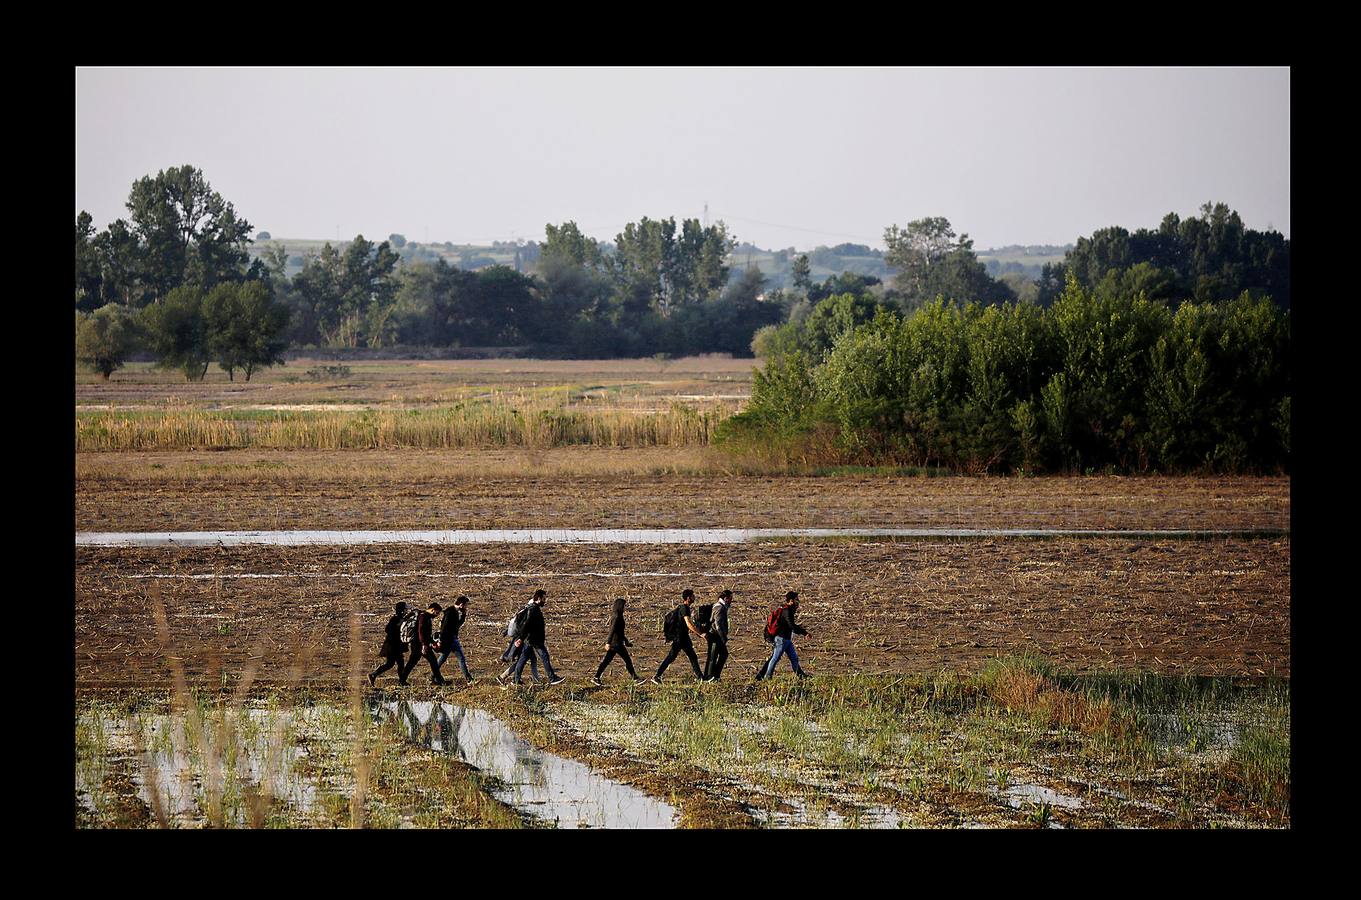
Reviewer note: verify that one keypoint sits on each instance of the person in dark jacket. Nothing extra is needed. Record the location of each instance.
(530, 640)
(717, 635)
(449, 626)
(617, 643)
(423, 644)
(393, 649)
(680, 639)
(785, 629)
(512, 654)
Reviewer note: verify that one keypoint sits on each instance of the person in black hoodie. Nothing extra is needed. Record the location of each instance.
(680, 638)
(530, 640)
(449, 626)
(617, 643)
(423, 644)
(393, 649)
(785, 629)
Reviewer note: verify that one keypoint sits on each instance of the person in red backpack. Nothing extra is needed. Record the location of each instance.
(782, 621)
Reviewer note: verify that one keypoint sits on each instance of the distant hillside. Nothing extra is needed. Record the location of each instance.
(776, 265)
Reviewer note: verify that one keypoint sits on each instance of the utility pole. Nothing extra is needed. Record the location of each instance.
(706, 213)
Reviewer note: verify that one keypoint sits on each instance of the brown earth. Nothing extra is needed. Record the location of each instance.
(1203, 607)
(582, 487)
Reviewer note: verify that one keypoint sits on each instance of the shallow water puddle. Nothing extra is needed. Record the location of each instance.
(610, 536)
(171, 764)
(539, 783)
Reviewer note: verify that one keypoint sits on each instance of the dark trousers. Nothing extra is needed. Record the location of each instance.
(416, 658)
(677, 647)
(716, 657)
(455, 647)
(394, 660)
(623, 654)
(527, 652)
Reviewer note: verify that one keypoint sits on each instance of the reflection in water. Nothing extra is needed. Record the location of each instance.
(542, 784)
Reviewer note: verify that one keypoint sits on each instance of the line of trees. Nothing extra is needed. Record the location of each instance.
(1095, 381)
(175, 278)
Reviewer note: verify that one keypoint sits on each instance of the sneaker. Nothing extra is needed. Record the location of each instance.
(472, 681)
(501, 680)
(597, 682)
(637, 680)
(802, 674)
(372, 680)
(655, 680)
(557, 680)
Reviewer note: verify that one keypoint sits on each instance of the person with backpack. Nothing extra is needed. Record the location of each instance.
(512, 654)
(423, 643)
(449, 626)
(780, 630)
(529, 637)
(616, 643)
(393, 648)
(677, 628)
(716, 618)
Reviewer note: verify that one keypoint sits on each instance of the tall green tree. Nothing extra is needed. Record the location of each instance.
(178, 332)
(187, 232)
(245, 327)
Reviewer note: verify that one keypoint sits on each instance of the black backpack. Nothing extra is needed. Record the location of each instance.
(671, 623)
(704, 615)
(520, 620)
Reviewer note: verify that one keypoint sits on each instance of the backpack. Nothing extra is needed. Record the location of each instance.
(703, 616)
(772, 624)
(517, 622)
(671, 623)
(408, 632)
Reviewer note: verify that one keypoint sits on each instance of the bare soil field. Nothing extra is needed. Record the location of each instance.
(406, 383)
(1185, 607)
(596, 487)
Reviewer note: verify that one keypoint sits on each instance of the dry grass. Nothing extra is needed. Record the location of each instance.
(535, 424)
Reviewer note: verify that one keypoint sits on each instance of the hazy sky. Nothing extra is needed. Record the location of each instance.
(787, 157)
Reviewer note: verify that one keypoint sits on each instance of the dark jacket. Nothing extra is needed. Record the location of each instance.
(682, 633)
(786, 627)
(450, 624)
(392, 641)
(425, 626)
(617, 640)
(531, 632)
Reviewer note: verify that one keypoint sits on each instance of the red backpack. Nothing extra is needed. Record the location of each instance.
(772, 624)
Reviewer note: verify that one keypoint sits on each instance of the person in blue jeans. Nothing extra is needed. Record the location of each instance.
(785, 629)
(530, 640)
(450, 624)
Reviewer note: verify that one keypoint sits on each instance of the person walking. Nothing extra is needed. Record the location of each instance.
(785, 629)
(618, 644)
(530, 638)
(393, 649)
(513, 651)
(680, 626)
(717, 635)
(423, 644)
(449, 626)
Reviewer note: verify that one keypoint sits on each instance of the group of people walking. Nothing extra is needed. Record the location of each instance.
(414, 633)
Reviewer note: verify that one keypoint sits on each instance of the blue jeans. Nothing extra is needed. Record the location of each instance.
(783, 647)
(527, 653)
(455, 646)
(512, 656)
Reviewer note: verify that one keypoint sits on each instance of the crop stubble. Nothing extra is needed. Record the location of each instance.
(1191, 607)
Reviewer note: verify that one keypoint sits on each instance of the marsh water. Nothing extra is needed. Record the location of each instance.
(544, 785)
(615, 536)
